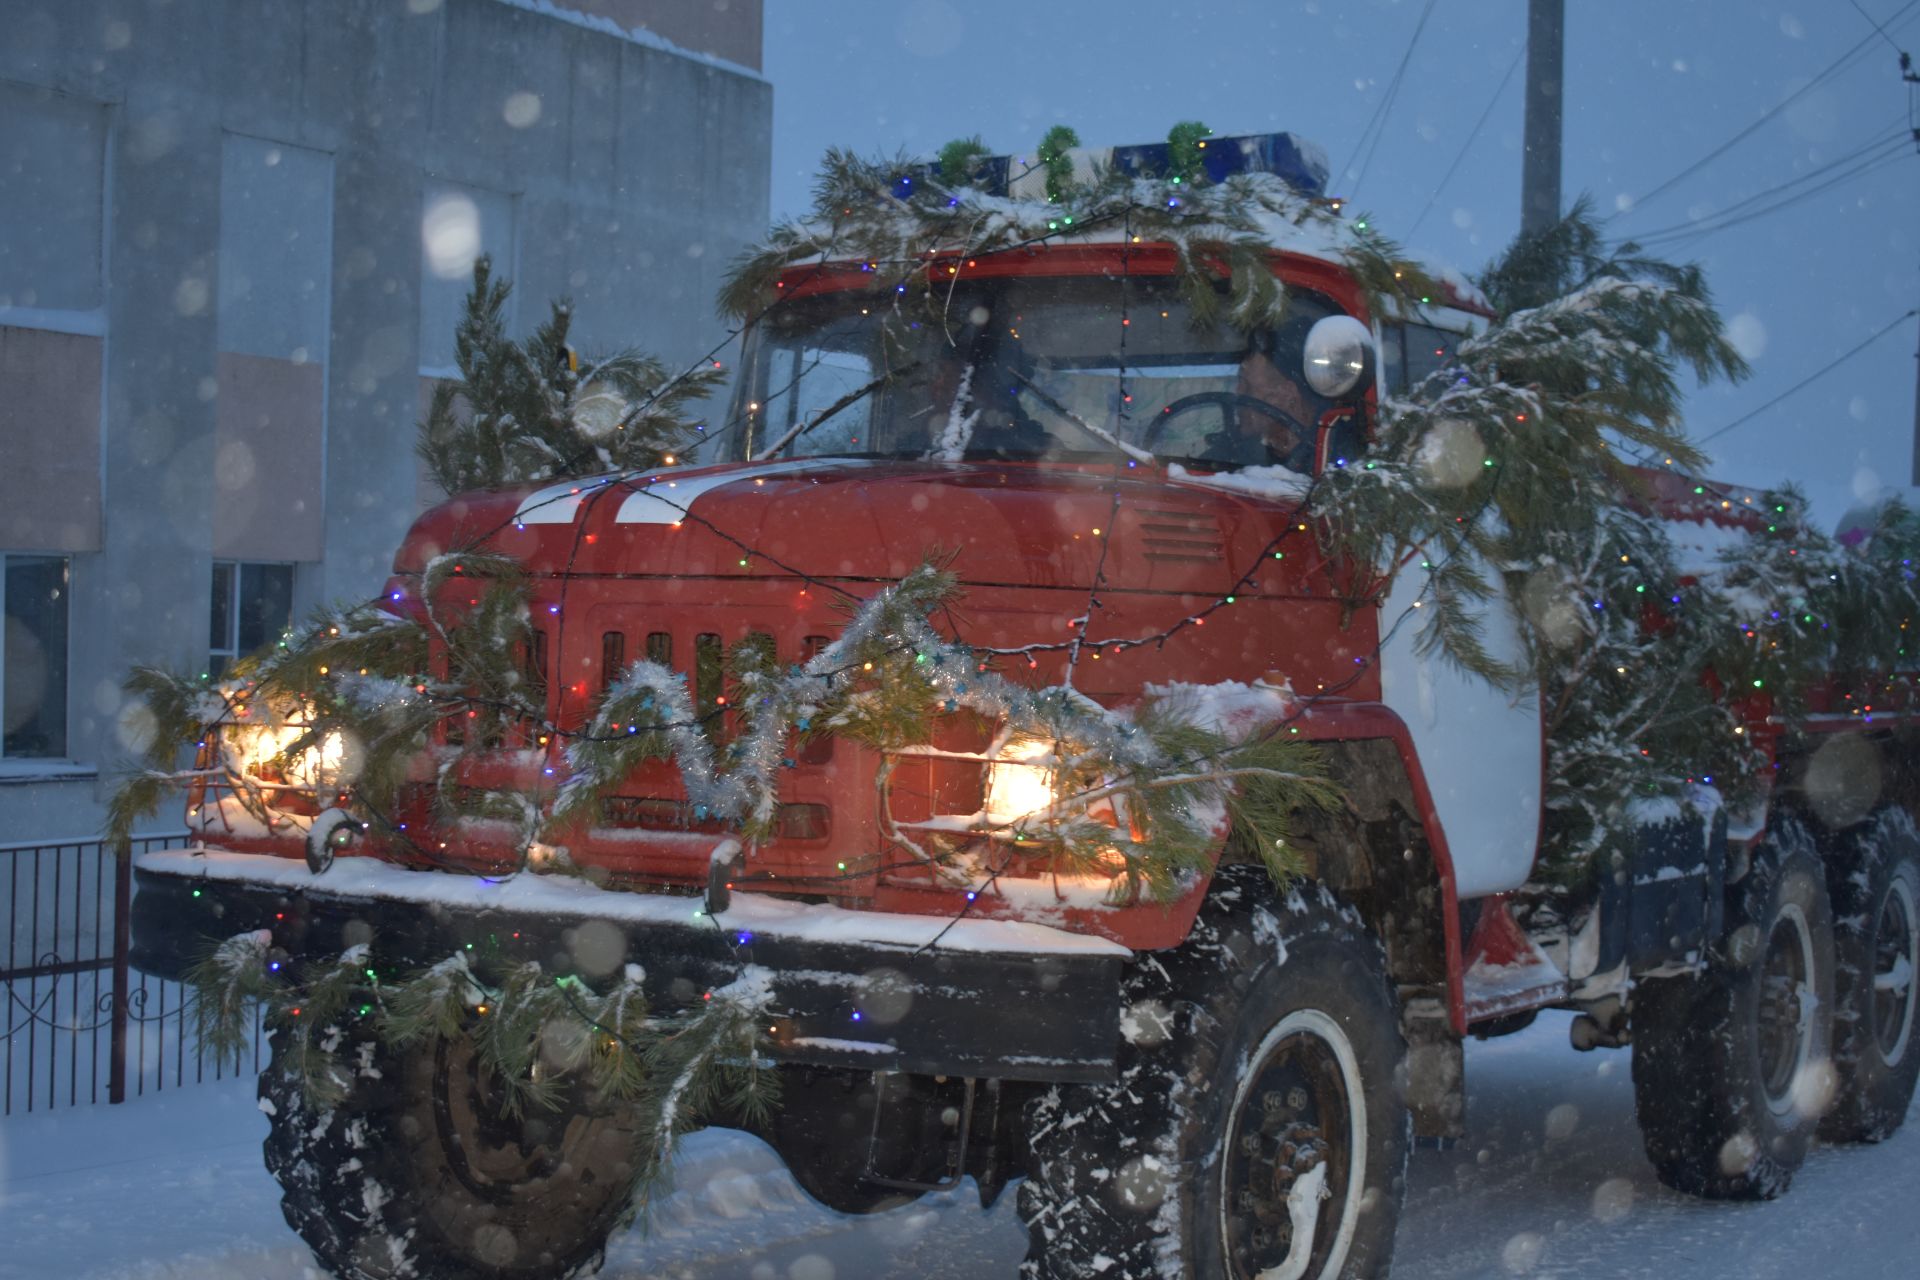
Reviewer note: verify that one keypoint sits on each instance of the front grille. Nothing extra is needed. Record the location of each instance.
(654, 813)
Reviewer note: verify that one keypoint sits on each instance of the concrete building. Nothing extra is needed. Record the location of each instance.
(233, 239)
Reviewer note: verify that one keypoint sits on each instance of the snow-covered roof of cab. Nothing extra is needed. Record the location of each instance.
(1248, 196)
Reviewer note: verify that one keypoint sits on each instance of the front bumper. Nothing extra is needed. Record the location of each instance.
(854, 989)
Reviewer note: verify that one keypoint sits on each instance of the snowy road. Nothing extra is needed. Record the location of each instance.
(1550, 1182)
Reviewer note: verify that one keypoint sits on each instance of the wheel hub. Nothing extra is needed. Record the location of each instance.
(1896, 956)
(492, 1150)
(1291, 1119)
(1785, 1030)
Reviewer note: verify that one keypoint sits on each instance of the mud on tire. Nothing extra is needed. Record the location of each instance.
(1731, 1067)
(1259, 1076)
(1873, 876)
(420, 1172)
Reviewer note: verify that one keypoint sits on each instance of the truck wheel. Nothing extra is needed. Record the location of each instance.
(1873, 877)
(422, 1172)
(1730, 1067)
(1257, 1128)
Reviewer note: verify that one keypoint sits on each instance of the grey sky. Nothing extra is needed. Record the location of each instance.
(1652, 86)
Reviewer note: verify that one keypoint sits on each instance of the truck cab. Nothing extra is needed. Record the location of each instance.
(1119, 469)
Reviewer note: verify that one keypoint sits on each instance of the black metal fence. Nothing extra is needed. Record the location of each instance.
(77, 1023)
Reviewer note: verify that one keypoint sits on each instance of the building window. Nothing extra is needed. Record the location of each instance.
(33, 655)
(252, 608)
(52, 317)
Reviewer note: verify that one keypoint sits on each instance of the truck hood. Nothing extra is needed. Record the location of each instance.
(1003, 523)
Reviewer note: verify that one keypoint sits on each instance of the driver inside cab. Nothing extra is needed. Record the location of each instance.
(1281, 429)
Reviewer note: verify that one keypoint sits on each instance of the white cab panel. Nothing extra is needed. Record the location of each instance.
(1480, 748)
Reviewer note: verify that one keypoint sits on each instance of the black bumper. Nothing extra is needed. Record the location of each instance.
(864, 1005)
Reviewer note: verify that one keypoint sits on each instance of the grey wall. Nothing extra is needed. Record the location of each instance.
(728, 29)
(632, 176)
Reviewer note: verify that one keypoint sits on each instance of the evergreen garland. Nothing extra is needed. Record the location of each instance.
(959, 158)
(1056, 162)
(673, 1070)
(1626, 714)
(342, 711)
(1164, 783)
(884, 682)
(1185, 142)
(1500, 475)
(1227, 230)
(1475, 469)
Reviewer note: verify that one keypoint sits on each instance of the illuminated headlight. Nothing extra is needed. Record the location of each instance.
(329, 762)
(1015, 788)
(258, 744)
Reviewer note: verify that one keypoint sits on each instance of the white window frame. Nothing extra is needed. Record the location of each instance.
(231, 652)
(82, 323)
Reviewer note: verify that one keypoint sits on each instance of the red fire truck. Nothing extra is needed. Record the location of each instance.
(1226, 1084)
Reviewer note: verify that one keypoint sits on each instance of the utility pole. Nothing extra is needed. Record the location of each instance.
(1540, 168)
(1912, 81)
(1916, 416)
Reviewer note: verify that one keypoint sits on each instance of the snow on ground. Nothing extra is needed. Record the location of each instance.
(1550, 1181)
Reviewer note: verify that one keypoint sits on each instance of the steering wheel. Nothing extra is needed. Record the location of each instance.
(1299, 458)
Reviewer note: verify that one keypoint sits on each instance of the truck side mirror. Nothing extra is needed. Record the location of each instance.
(1338, 356)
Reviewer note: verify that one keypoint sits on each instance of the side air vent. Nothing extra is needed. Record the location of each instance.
(1180, 538)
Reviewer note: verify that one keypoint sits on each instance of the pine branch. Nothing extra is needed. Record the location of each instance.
(228, 985)
(527, 413)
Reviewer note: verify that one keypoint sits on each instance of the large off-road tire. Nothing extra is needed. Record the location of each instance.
(1731, 1069)
(1259, 1099)
(420, 1172)
(1873, 875)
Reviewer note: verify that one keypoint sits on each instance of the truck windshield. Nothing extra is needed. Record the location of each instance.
(1022, 368)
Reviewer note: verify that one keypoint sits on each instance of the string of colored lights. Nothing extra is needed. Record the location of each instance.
(1105, 533)
(628, 482)
(1196, 620)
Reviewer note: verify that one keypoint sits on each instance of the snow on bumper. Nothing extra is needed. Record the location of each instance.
(870, 990)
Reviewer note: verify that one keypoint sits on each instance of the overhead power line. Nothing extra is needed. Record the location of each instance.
(1832, 69)
(1888, 143)
(1817, 374)
(1467, 144)
(1872, 164)
(1377, 122)
(1877, 27)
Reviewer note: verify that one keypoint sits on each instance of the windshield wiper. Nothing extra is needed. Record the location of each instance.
(799, 429)
(1099, 433)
